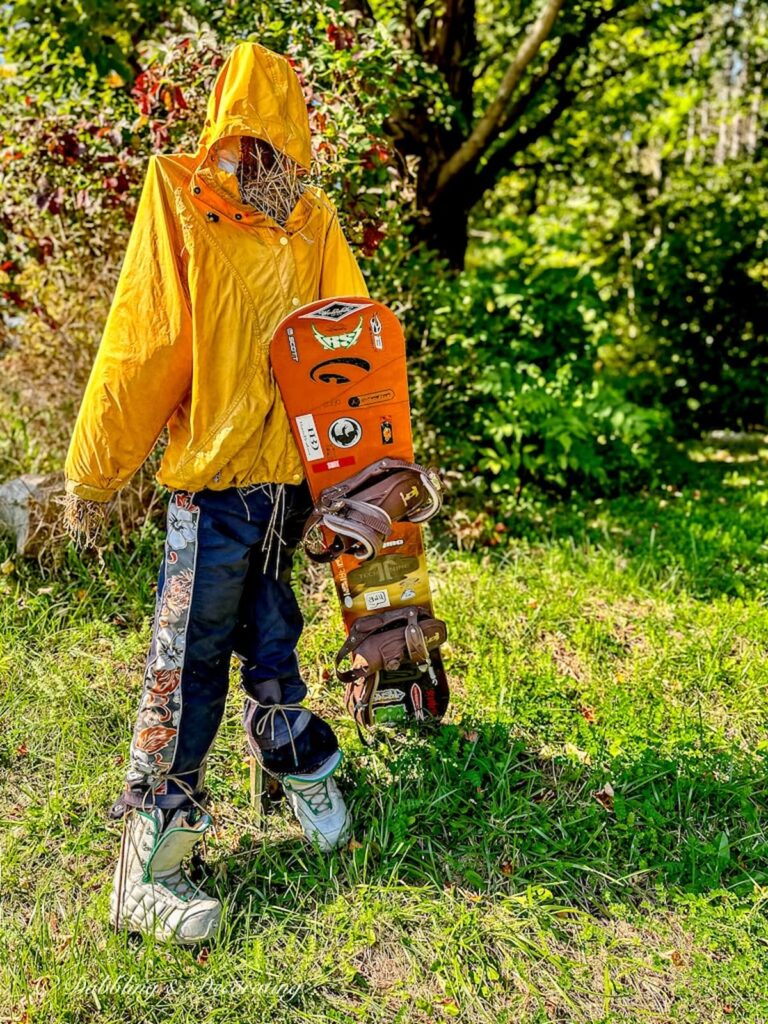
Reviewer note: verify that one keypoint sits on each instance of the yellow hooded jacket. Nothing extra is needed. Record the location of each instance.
(205, 281)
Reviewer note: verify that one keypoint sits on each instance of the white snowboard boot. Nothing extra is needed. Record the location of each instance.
(152, 893)
(318, 804)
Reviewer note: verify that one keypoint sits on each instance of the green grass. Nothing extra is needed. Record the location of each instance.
(493, 876)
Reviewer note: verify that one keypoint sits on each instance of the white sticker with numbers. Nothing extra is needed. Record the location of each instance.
(376, 599)
(310, 439)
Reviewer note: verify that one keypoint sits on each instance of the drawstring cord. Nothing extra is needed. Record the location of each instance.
(276, 524)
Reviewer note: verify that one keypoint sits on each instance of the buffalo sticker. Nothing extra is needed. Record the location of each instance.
(332, 341)
(345, 432)
(334, 371)
(335, 311)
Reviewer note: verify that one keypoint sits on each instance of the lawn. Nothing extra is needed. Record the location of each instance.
(584, 839)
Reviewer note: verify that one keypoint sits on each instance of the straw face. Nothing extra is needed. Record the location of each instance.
(269, 180)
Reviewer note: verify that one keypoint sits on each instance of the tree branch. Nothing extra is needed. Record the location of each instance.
(487, 126)
(453, 51)
(568, 47)
(499, 159)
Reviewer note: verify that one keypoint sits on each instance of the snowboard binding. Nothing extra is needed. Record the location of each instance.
(360, 510)
(384, 642)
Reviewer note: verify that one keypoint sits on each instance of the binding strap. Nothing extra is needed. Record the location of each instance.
(386, 640)
(359, 511)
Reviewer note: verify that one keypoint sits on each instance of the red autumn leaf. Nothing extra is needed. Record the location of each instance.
(342, 37)
(372, 238)
(375, 156)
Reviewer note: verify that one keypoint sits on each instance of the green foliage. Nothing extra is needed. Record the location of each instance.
(506, 371)
(68, 46)
(615, 284)
(76, 157)
(653, 181)
(703, 300)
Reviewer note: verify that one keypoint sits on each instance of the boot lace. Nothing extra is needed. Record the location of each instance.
(178, 882)
(316, 795)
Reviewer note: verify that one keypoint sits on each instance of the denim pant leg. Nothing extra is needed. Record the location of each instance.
(187, 673)
(287, 737)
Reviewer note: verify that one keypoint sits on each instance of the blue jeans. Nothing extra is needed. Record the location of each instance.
(225, 587)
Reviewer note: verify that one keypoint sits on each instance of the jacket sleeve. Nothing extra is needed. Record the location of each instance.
(143, 366)
(340, 274)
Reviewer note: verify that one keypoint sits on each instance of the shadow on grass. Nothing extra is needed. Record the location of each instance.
(472, 808)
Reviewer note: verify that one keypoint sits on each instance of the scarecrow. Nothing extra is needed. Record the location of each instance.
(225, 244)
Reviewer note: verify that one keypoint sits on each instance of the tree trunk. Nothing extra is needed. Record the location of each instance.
(444, 227)
(459, 163)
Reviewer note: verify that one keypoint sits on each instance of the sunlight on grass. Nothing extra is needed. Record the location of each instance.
(584, 838)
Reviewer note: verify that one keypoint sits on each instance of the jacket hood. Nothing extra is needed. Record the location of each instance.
(257, 92)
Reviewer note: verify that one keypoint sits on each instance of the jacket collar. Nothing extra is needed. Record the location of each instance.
(216, 189)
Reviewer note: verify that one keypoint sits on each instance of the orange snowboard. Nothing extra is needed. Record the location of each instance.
(340, 366)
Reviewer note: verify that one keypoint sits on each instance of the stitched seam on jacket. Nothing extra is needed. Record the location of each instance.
(246, 384)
